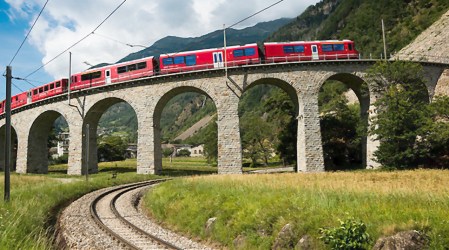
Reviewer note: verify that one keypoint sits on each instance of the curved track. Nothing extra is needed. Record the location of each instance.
(104, 212)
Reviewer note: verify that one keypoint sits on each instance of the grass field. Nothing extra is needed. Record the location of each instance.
(27, 222)
(256, 207)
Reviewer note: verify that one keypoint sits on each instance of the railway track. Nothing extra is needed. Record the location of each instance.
(106, 215)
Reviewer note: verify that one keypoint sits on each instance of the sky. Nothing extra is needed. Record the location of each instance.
(141, 22)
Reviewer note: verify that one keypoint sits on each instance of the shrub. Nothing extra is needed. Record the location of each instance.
(184, 152)
(350, 235)
(167, 152)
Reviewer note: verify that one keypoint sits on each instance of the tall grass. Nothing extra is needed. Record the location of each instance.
(256, 207)
(28, 220)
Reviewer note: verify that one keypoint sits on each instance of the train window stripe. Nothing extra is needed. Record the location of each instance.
(327, 48)
(299, 48)
(142, 65)
(191, 60)
(52, 86)
(168, 61)
(288, 49)
(179, 60)
(339, 47)
(250, 52)
(121, 70)
(238, 53)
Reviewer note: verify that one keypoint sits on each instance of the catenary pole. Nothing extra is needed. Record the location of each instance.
(385, 44)
(87, 152)
(8, 133)
(225, 56)
(70, 75)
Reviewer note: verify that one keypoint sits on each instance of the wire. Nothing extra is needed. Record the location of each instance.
(220, 31)
(78, 41)
(21, 91)
(208, 37)
(26, 37)
(130, 45)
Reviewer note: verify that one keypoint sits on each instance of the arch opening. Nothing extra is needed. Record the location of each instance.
(268, 112)
(113, 133)
(48, 143)
(184, 122)
(344, 101)
(14, 147)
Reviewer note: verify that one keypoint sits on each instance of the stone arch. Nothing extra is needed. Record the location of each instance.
(37, 155)
(280, 83)
(160, 103)
(92, 118)
(14, 145)
(363, 90)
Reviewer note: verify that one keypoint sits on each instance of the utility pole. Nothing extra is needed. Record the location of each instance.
(385, 44)
(70, 75)
(225, 56)
(87, 152)
(8, 133)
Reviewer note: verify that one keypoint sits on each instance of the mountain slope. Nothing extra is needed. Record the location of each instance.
(360, 21)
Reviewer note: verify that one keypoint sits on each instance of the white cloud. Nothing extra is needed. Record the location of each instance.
(136, 22)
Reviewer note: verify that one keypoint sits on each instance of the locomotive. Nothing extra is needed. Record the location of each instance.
(274, 52)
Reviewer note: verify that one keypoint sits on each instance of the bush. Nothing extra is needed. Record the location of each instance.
(349, 235)
(64, 159)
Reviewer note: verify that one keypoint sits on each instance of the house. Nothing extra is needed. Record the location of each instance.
(131, 151)
(63, 144)
(197, 150)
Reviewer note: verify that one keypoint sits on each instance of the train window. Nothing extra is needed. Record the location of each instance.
(191, 60)
(142, 65)
(76, 79)
(52, 86)
(41, 90)
(179, 60)
(339, 47)
(132, 67)
(299, 48)
(35, 92)
(17, 98)
(327, 47)
(58, 84)
(350, 46)
(46, 88)
(238, 53)
(96, 75)
(288, 49)
(354, 46)
(168, 61)
(121, 70)
(250, 52)
(85, 77)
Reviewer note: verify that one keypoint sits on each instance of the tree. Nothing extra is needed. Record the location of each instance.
(257, 137)
(167, 152)
(401, 113)
(184, 152)
(211, 141)
(282, 114)
(111, 148)
(340, 128)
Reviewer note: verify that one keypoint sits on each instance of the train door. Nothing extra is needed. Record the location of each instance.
(107, 75)
(315, 55)
(29, 96)
(218, 59)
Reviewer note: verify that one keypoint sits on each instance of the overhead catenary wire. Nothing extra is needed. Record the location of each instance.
(190, 46)
(77, 41)
(26, 37)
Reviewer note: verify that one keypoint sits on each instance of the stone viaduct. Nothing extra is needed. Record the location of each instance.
(148, 96)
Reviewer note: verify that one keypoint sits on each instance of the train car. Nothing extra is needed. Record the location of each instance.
(306, 51)
(115, 73)
(209, 58)
(16, 101)
(48, 90)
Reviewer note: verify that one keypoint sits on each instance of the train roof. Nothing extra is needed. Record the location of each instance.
(324, 41)
(204, 50)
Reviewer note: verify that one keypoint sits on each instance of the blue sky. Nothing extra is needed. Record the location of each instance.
(136, 22)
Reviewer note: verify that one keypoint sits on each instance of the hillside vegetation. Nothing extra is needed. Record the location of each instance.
(360, 21)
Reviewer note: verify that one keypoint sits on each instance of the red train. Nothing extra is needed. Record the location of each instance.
(192, 60)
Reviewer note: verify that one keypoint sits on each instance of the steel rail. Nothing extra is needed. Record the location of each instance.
(99, 222)
(114, 210)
